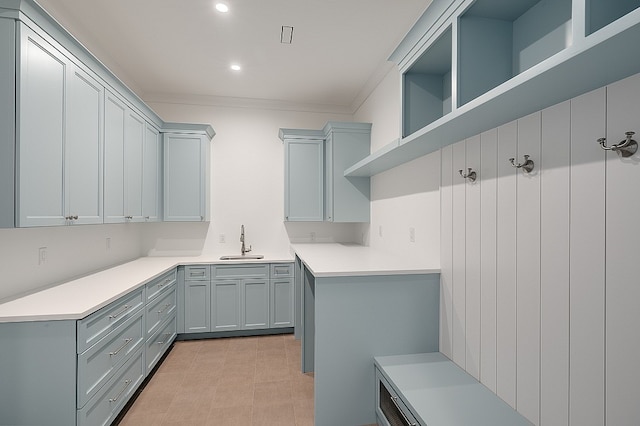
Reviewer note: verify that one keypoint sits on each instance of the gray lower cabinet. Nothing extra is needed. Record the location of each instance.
(237, 297)
(84, 372)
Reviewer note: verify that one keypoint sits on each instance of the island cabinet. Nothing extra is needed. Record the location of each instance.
(58, 136)
(82, 372)
(186, 177)
(372, 305)
(315, 187)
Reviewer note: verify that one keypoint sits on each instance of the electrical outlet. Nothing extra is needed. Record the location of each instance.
(222, 239)
(108, 243)
(380, 231)
(412, 234)
(312, 237)
(42, 255)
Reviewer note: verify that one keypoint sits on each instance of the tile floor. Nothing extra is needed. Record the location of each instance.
(226, 382)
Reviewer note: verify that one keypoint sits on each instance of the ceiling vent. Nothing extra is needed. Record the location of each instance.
(286, 35)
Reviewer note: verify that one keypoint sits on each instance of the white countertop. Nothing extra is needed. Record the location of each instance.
(339, 260)
(78, 298)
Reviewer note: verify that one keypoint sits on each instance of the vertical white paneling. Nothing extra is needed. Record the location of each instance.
(472, 256)
(554, 265)
(586, 267)
(506, 266)
(446, 232)
(459, 261)
(528, 270)
(488, 186)
(622, 319)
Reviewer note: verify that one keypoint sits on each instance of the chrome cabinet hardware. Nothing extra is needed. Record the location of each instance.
(394, 399)
(625, 148)
(471, 175)
(74, 217)
(166, 336)
(128, 217)
(126, 385)
(162, 284)
(163, 308)
(527, 166)
(126, 342)
(116, 315)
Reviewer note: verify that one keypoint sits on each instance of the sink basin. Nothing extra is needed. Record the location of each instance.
(242, 257)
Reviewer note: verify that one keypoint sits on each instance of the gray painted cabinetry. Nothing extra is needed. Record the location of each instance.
(250, 296)
(68, 372)
(315, 188)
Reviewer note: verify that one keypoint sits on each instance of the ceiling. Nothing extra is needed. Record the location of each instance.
(183, 49)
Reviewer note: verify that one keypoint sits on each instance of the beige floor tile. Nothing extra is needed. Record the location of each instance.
(234, 416)
(234, 395)
(302, 388)
(303, 410)
(272, 393)
(274, 415)
(143, 419)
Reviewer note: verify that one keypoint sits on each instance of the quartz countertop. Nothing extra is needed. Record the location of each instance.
(75, 299)
(338, 260)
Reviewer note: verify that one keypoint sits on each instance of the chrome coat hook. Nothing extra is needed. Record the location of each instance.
(527, 166)
(625, 148)
(471, 175)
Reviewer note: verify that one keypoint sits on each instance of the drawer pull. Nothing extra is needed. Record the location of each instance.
(165, 335)
(394, 399)
(126, 385)
(126, 342)
(163, 309)
(116, 315)
(160, 285)
(197, 274)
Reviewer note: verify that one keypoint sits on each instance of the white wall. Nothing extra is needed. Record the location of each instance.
(72, 251)
(407, 196)
(247, 178)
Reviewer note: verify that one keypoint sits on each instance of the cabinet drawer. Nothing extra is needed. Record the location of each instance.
(197, 273)
(157, 286)
(105, 406)
(282, 270)
(159, 310)
(250, 270)
(158, 344)
(390, 409)
(96, 364)
(94, 327)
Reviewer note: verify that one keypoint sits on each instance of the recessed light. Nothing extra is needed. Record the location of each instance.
(221, 7)
(236, 67)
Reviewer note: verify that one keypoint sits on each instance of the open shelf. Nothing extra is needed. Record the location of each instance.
(600, 13)
(499, 39)
(427, 86)
(595, 62)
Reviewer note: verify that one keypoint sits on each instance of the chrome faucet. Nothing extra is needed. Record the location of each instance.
(243, 249)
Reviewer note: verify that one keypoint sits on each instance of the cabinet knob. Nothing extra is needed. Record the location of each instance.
(128, 217)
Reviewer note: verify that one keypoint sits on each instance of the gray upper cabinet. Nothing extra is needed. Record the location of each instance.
(59, 138)
(186, 175)
(303, 177)
(151, 179)
(76, 145)
(347, 199)
(315, 186)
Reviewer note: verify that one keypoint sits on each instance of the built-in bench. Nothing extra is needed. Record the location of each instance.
(429, 389)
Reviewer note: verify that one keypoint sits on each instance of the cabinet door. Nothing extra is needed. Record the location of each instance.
(225, 301)
(197, 306)
(281, 305)
(40, 133)
(114, 119)
(303, 177)
(151, 175)
(134, 133)
(83, 149)
(255, 304)
(185, 178)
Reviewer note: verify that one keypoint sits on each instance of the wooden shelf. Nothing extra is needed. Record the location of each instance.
(596, 60)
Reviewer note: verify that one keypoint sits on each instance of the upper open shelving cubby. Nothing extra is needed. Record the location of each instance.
(499, 39)
(472, 65)
(427, 86)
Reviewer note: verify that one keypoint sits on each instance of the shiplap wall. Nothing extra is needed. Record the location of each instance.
(539, 277)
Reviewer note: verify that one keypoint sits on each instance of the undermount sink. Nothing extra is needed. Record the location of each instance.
(242, 257)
